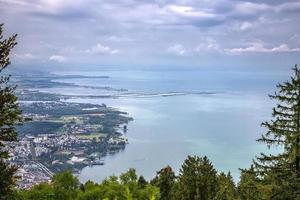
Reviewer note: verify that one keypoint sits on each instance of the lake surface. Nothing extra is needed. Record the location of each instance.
(180, 113)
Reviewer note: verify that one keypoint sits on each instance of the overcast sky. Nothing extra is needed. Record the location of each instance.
(182, 33)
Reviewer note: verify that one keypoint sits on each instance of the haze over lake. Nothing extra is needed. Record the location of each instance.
(178, 113)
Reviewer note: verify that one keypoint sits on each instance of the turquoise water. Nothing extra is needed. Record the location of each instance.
(212, 113)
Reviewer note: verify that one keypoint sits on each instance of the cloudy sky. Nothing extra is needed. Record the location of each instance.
(181, 33)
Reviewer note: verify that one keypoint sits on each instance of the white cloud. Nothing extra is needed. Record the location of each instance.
(102, 49)
(284, 48)
(190, 11)
(246, 26)
(289, 6)
(114, 38)
(258, 47)
(46, 6)
(249, 8)
(180, 9)
(178, 50)
(57, 6)
(25, 56)
(15, 2)
(194, 15)
(209, 45)
(58, 58)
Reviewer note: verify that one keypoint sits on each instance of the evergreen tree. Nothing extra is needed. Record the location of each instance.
(284, 131)
(249, 186)
(142, 182)
(197, 179)
(129, 177)
(10, 114)
(226, 188)
(129, 180)
(165, 180)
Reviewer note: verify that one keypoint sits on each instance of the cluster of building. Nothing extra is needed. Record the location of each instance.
(32, 173)
(33, 153)
(35, 117)
(61, 135)
(81, 129)
(117, 141)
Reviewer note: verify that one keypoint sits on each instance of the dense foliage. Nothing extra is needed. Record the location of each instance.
(39, 127)
(281, 171)
(10, 114)
(197, 180)
(66, 187)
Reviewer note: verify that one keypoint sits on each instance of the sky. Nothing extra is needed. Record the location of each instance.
(160, 33)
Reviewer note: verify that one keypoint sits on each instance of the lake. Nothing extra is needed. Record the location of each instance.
(176, 113)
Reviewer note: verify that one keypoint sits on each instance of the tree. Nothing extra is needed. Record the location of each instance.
(165, 180)
(65, 180)
(129, 177)
(284, 131)
(249, 186)
(142, 182)
(197, 179)
(65, 185)
(126, 187)
(226, 187)
(129, 180)
(112, 189)
(42, 191)
(10, 115)
(149, 193)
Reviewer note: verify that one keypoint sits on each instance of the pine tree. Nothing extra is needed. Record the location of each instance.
(284, 131)
(10, 114)
(165, 180)
(142, 182)
(226, 187)
(249, 186)
(197, 179)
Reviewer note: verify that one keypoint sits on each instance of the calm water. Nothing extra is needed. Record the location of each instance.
(221, 124)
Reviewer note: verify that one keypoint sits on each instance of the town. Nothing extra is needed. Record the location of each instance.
(51, 142)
